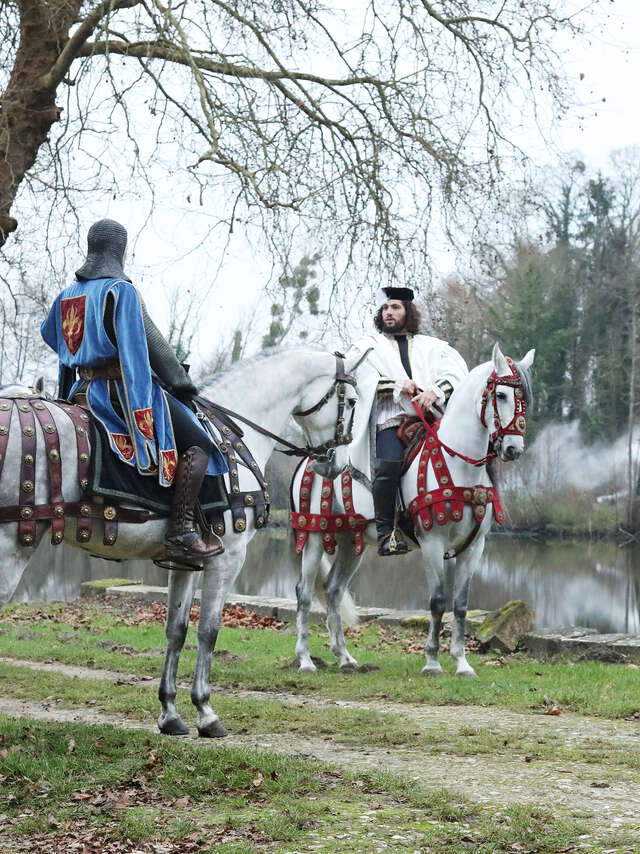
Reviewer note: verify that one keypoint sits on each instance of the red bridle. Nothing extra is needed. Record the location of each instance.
(516, 427)
(518, 424)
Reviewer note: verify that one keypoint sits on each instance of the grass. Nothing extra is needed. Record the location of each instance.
(64, 781)
(117, 791)
(85, 635)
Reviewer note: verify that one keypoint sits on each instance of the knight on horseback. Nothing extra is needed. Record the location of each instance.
(413, 368)
(114, 360)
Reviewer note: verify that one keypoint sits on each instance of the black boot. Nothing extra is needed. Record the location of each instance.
(181, 538)
(386, 479)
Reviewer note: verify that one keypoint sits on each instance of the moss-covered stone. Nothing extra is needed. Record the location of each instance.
(503, 629)
(99, 586)
(416, 621)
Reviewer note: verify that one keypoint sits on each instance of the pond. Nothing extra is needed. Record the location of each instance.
(566, 583)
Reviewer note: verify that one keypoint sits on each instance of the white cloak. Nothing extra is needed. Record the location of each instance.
(432, 361)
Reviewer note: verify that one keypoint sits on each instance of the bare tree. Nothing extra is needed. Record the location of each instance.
(346, 125)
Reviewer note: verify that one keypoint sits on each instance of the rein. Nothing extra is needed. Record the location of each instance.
(316, 452)
(516, 427)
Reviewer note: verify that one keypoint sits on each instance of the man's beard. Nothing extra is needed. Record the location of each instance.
(394, 325)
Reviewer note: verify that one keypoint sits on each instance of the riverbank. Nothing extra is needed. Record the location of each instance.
(376, 761)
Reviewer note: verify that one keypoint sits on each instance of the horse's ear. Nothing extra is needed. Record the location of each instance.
(39, 386)
(499, 362)
(353, 361)
(527, 360)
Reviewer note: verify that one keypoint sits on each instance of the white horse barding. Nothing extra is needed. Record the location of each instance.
(312, 386)
(486, 407)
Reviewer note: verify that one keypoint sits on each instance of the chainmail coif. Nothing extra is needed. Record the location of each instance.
(106, 244)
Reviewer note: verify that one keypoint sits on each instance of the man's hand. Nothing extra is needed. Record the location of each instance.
(425, 400)
(410, 388)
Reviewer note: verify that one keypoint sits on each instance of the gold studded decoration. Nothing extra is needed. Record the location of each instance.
(110, 512)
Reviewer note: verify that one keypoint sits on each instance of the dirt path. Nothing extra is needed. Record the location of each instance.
(580, 789)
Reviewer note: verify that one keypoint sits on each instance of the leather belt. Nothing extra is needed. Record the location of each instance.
(106, 371)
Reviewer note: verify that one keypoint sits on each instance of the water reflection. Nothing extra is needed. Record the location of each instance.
(567, 583)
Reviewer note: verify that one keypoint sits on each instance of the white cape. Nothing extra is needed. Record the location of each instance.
(431, 360)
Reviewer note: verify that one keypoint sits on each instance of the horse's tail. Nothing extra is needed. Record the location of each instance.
(348, 610)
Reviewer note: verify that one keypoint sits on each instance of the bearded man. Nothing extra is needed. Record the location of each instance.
(132, 382)
(414, 369)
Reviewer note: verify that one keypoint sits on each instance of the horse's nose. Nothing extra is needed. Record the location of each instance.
(510, 453)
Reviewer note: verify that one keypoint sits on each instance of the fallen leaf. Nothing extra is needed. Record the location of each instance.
(554, 710)
(71, 746)
(182, 802)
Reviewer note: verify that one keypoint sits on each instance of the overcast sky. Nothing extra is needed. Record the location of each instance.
(605, 68)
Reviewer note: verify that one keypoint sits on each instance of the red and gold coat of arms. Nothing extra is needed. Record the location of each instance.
(72, 311)
(144, 422)
(123, 444)
(169, 463)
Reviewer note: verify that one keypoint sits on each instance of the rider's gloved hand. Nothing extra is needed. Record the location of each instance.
(185, 392)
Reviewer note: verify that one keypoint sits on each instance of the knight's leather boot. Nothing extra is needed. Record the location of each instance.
(386, 479)
(182, 538)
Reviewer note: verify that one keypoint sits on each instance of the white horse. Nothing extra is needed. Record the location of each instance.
(480, 410)
(268, 389)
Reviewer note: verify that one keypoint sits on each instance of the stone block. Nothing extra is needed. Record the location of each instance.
(503, 629)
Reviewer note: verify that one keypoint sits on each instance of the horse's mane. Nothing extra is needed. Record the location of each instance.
(236, 367)
(527, 383)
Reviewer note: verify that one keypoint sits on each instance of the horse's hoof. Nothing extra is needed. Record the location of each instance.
(214, 729)
(467, 674)
(349, 667)
(307, 668)
(431, 671)
(173, 726)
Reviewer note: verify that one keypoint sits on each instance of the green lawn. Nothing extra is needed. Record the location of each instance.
(82, 634)
(115, 791)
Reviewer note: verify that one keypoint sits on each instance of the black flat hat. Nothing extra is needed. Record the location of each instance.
(404, 294)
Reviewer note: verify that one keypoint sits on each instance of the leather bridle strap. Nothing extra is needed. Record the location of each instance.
(318, 452)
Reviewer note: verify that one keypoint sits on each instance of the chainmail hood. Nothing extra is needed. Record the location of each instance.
(106, 243)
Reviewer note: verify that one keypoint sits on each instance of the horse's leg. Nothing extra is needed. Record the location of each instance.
(218, 579)
(434, 565)
(182, 585)
(311, 557)
(464, 569)
(343, 569)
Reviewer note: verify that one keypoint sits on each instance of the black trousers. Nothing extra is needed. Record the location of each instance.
(388, 446)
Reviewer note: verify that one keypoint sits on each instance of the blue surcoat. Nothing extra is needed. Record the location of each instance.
(75, 329)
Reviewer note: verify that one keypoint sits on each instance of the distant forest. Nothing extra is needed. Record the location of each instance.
(568, 284)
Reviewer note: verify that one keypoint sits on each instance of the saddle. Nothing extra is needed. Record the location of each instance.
(104, 481)
(412, 435)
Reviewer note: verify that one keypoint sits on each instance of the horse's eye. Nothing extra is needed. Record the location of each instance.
(351, 401)
(501, 395)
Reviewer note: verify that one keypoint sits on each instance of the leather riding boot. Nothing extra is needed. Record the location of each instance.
(386, 479)
(182, 538)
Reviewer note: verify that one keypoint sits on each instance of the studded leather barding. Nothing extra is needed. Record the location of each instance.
(239, 502)
(52, 450)
(27, 525)
(27, 512)
(326, 522)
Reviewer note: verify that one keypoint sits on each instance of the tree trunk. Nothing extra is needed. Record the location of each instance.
(27, 106)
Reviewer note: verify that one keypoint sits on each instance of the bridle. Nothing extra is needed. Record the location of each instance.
(516, 427)
(518, 424)
(325, 451)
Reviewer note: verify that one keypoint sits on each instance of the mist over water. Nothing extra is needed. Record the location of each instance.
(559, 459)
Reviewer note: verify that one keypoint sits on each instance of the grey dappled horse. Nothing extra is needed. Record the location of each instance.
(267, 389)
(462, 430)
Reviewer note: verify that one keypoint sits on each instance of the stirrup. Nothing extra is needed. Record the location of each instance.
(392, 546)
(179, 563)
